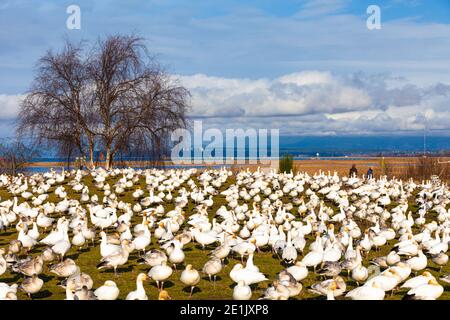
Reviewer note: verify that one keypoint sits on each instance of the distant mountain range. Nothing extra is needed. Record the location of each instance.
(333, 146)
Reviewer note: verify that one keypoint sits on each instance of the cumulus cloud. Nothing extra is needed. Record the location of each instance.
(293, 94)
(9, 105)
(310, 103)
(317, 103)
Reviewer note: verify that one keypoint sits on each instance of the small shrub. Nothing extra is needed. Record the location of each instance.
(286, 164)
(426, 167)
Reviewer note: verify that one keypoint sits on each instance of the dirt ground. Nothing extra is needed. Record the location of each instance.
(397, 166)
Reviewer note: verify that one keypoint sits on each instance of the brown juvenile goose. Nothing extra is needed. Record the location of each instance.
(29, 266)
(14, 246)
(84, 294)
(78, 280)
(31, 285)
(64, 269)
(48, 255)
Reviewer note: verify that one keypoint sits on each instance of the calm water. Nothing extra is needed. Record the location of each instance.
(302, 147)
(370, 145)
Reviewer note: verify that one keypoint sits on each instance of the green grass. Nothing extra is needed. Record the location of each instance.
(88, 257)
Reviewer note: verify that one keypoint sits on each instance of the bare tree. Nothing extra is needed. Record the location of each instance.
(115, 97)
(58, 108)
(14, 156)
(136, 99)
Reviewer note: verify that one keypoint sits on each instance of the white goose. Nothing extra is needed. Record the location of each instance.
(370, 291)
(417, 263)
(107, 249)
(299, 271)
(417, 281)
(313, 258)
(108, 291)
(160, 273)
(242, 291)
(139, 293)
(62, 246)
(428, 291)
(190, 277)
(239, 273)
(142, 240)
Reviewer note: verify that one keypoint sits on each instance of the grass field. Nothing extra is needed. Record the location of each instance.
(88, 258)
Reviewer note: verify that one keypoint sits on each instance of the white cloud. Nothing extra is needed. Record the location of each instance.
(318, 103)
(9, 105)
(293, 94)
(311, 103)
(306, 78)
(317, 8)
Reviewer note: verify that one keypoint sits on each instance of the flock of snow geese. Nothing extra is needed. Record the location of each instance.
(322, 224)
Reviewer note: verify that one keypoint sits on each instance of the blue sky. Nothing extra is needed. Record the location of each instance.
(308, 66)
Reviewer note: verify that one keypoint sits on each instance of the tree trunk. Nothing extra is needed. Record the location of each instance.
(13, 165)
(108, 158)
(91, 154)
(69, 155)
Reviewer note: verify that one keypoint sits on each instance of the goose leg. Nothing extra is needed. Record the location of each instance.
(192, 289)
(392, 292)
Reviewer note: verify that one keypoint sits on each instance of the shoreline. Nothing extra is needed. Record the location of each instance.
(310, 160)
(392, 166)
